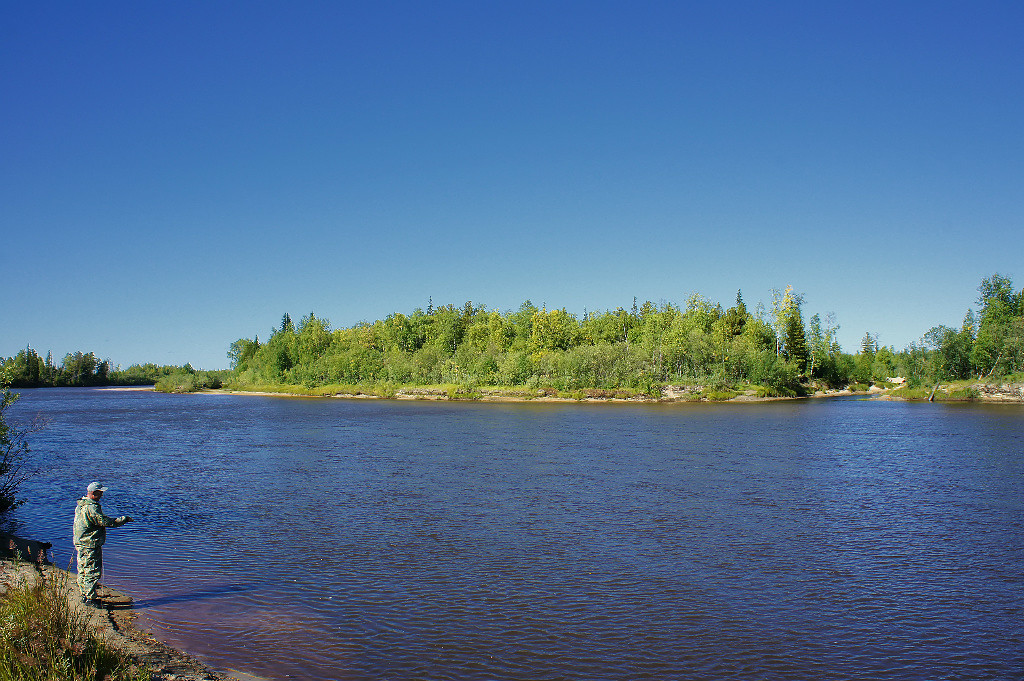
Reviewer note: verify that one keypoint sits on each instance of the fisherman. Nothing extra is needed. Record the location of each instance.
(90, 533)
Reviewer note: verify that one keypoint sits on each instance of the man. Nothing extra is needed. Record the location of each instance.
(90, 533)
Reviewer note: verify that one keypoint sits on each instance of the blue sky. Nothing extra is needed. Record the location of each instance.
(174, 176)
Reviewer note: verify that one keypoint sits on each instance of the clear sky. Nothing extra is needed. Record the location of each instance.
(177, 175)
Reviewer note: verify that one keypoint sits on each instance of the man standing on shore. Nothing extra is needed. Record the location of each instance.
(90, 533)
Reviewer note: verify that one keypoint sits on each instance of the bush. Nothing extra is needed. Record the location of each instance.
(461, 392)
(177, 383)
(779, 391)
(186, 381)
(13, 452)
(771, 372)
(515, 368)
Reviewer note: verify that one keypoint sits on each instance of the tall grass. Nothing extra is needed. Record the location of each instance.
(42, 637)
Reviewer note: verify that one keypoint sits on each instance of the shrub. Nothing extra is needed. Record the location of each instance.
(462, 392)
(177, 383)
(13, 452)
(775, 391)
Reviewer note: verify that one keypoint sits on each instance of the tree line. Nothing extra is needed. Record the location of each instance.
(641, 348)
(28, 369)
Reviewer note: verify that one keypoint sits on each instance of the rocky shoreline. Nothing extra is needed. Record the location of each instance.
(114, 624)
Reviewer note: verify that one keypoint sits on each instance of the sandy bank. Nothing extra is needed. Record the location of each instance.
(126, 388)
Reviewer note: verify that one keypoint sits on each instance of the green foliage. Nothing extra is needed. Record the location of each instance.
(640, 348)
(965, 394)
(78, 369)
(13, 451)
(989, 343)
(241, 352)
(912, 393)
(461, 392)
(472, 346)
(42, 638)
(958, 391)
(794, 344)
(140, 374)
(1000, 332)
(768, 391)
(189, 381)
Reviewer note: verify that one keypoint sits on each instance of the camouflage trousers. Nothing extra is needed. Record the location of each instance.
(90, 566)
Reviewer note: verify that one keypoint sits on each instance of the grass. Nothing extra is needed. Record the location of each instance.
(772, 391)
(43, 638)
(451, 391)
(954, 391)
(913, 394)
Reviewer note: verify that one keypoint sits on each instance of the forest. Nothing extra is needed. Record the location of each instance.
(642, 348)
(772, 348)
(28, 369)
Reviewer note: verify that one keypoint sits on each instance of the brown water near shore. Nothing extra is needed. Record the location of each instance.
(114, 623)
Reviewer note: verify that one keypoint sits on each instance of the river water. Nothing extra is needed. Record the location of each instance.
(364, 539)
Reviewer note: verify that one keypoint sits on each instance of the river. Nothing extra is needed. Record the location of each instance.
(366, 539)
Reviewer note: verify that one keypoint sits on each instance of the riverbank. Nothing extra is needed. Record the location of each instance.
(452, 393)
(959, 391)
(114, 625)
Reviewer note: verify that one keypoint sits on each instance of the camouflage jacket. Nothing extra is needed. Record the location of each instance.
(90, 523)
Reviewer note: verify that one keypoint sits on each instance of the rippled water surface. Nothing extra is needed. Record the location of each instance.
(344, 539)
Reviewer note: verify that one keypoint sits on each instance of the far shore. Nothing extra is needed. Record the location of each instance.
(1012, 393)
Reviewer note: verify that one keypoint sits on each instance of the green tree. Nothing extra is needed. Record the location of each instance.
(446, 332)
(522, 325)
(313, 341)
(81, 369)
(398, 333)
(824, 350)
(554, 330)
(791, 325)
(1000, 308)
(953, 349)
(868, 344)
(242, 351)
(736, 317)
